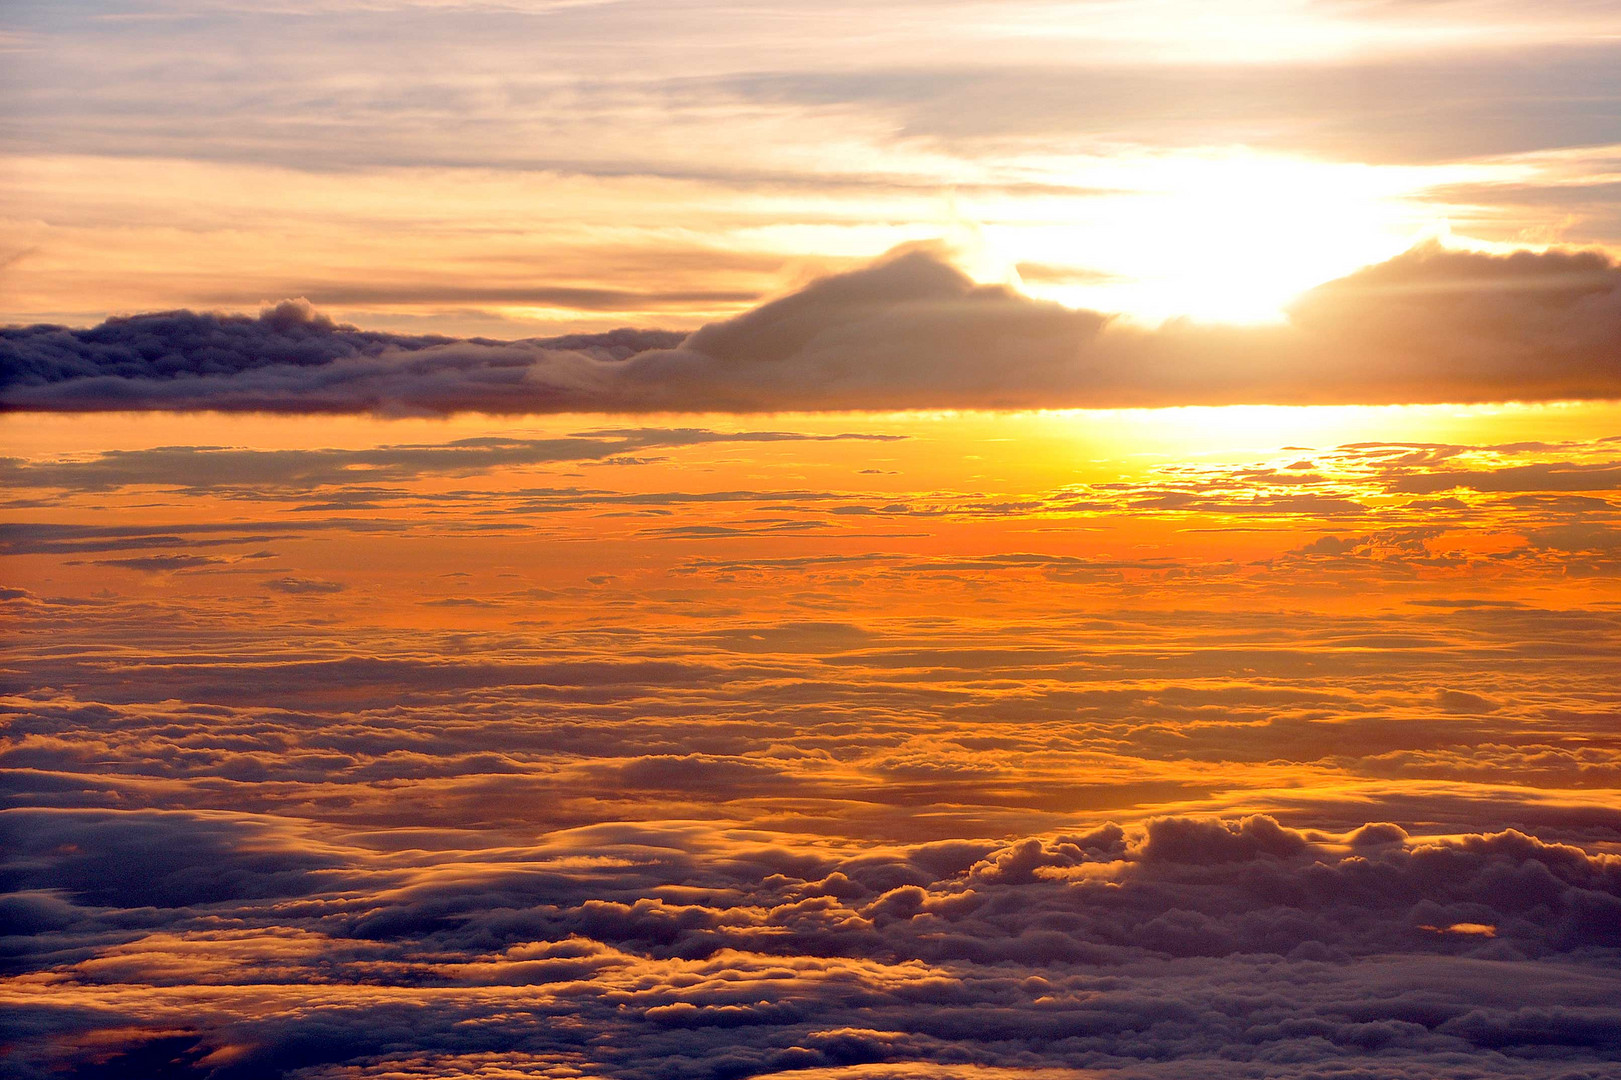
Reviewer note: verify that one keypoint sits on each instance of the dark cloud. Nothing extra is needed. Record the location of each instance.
(151, 859)
(184, 344)
(296, 586)
(908, 331)
(678, 952)
(292, 359)
(37, 538)
(200, 468)
(356, 676)
(162, 563)
(1550, 476)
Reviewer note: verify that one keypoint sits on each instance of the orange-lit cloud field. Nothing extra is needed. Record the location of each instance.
(862, 541)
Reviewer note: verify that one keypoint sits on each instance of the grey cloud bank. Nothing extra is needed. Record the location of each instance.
(675, 951)
(910, 331)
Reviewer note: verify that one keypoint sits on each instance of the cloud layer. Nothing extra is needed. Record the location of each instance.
(910, 331)
(675, 952)
(878, 747)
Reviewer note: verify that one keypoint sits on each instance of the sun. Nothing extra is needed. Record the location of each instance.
(1228, 237)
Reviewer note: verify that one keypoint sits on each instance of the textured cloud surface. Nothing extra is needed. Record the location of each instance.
(910, 331)
(860, 746)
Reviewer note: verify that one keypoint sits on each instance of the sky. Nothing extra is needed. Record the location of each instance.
(518, 168)
(591, 540)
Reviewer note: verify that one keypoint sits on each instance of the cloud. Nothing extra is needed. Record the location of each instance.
(293, 359)
(185, 859)
(682, 951)
(1027, 794)
(214, 468)
(901, 332)
(661, 849)
(30, 538)
(1551, 476)
(187, 344)
(1462, 701)
(162, 563)
(909, 331)
(297, 586)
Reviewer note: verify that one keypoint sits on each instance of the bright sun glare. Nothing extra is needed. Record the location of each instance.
(1230, 238)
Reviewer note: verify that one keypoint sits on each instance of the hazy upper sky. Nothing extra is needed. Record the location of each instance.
(526, 167)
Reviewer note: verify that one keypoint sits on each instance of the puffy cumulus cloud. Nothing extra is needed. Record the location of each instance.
(293, 359)
(177, 343)
(1430, 325)
(390, 867)
(1534, 325)
(909, 331)
(689, 951)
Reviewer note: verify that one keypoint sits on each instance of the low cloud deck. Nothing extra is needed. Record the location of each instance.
(980, 745)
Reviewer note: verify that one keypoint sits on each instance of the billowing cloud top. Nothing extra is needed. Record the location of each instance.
(909, 331)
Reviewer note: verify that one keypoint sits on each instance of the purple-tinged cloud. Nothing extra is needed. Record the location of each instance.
(910, 331)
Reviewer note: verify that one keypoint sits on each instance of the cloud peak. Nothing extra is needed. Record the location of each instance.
(908, 331)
